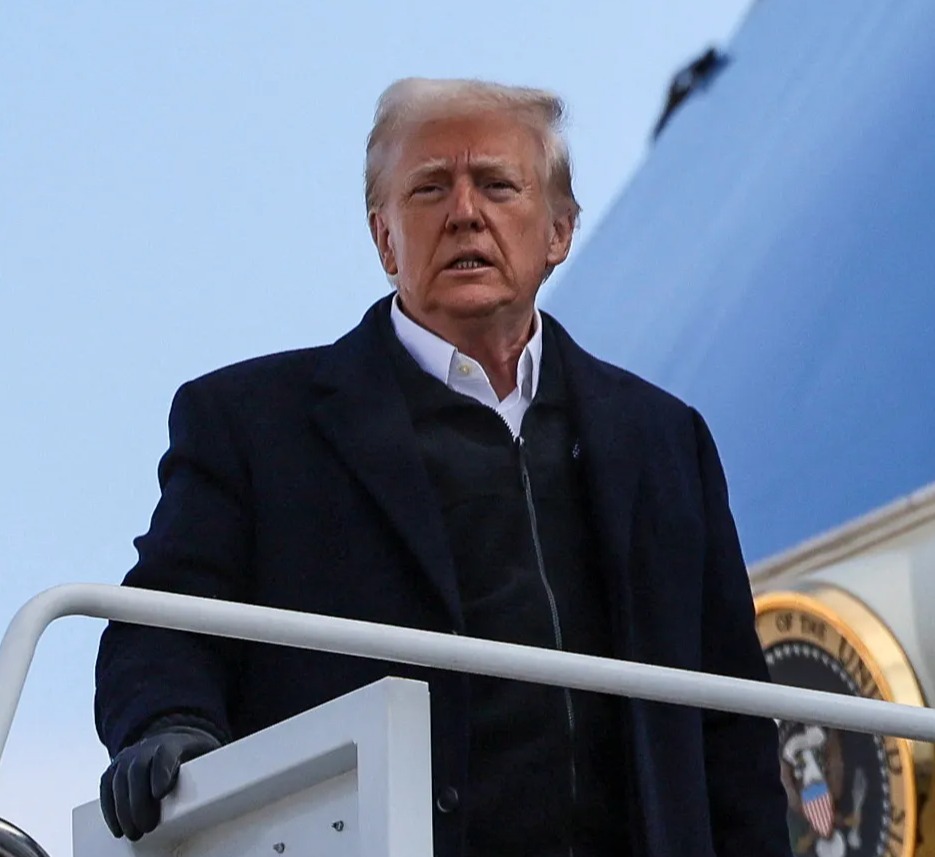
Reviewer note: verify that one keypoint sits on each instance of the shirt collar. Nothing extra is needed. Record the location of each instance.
(437, 357)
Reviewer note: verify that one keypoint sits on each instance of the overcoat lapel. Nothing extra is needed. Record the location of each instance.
(612, 454)
(363, 415)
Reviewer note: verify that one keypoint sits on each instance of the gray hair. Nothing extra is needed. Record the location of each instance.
(413, 98)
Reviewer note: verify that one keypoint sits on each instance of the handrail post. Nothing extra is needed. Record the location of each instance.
(18, 647)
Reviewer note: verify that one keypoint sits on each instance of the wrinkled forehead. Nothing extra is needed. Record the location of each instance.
(488, 141)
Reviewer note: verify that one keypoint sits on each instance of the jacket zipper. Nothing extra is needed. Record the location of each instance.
(553, 608)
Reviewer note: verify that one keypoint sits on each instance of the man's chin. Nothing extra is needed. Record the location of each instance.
(466, 303)
(473, 309)
(476, 300)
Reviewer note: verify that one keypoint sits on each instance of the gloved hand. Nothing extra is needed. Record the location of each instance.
(142, 774)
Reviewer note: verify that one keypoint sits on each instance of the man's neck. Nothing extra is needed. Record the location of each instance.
(496, 344)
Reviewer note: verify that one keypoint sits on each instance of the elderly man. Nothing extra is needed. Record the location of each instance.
(456, 463)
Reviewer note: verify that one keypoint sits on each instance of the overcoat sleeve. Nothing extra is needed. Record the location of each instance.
(199, 543)
(746, 799)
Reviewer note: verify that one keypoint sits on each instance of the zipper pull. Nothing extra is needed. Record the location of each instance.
(523, 468)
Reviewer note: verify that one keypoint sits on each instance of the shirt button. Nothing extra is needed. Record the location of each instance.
(448, 799)
(464, 369)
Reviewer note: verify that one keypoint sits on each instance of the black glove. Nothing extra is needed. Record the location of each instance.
(142, 774)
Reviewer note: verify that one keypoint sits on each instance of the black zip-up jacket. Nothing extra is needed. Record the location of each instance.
(544, 764)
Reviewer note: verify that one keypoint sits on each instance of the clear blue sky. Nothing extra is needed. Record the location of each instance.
(181, 188)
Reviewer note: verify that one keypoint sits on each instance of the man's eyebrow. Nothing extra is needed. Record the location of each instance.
(481, 165)
(428, 168)
(494, 165)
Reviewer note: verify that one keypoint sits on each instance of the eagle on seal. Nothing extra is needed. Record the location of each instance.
(813, 775)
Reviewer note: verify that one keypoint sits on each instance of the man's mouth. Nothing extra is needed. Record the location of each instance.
(468, 262)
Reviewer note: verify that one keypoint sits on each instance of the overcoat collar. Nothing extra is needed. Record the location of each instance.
(361, 410)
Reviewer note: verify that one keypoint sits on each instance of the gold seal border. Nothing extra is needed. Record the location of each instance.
(853, 620)
(842, 611)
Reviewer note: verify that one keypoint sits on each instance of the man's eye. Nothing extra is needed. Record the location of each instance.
(424, 189)
(500, 185)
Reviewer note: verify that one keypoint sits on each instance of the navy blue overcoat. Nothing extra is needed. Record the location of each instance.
(295, 481)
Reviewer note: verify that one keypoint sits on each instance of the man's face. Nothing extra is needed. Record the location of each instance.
(466, 224)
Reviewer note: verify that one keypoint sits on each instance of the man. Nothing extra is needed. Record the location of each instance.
(456, 463)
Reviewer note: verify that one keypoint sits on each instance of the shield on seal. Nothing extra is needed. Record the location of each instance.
(818, 808)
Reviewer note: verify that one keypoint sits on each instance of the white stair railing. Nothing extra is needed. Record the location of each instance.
(441, 651)
(428, 649)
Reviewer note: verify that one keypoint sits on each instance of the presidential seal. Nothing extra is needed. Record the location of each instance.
(850, 794)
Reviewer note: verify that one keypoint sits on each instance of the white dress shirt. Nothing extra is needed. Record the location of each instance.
(465, 375)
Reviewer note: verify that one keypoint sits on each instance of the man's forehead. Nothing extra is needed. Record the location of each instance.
(487, 140)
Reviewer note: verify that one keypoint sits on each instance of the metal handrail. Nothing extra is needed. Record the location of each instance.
(442, 651)
(15, 843)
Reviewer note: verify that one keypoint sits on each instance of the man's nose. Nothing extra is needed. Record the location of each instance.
(464, 212)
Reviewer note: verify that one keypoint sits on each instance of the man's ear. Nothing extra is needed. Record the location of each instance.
(563, 228)
(384, 244)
